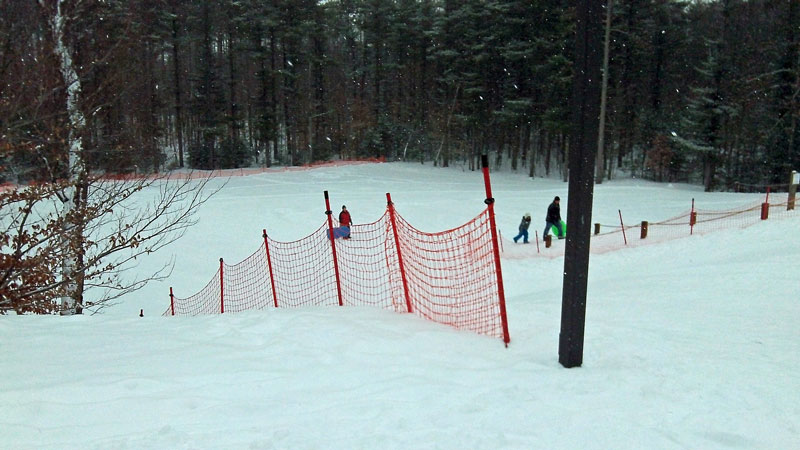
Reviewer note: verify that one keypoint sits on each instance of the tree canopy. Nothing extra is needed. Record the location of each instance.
(705, 92)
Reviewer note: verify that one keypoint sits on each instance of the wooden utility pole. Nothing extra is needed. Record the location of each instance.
(583, 145)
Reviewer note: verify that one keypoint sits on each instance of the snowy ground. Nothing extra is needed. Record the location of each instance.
(692, 343)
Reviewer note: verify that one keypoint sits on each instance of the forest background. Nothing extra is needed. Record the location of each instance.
(706, 92)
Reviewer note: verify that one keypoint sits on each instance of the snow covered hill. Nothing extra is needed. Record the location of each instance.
(690, 343)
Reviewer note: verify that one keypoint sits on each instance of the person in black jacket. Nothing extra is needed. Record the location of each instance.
(523, 228)
(553, 218)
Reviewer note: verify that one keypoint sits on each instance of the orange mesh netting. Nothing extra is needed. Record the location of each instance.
(448, 277)
(451, 275)
(610, 237)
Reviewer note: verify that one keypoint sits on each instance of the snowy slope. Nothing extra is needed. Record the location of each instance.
(691, 343)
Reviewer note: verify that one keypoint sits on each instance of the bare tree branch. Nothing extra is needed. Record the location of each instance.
(122, 222)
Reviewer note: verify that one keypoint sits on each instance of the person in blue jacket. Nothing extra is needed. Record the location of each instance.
(523, 228)
(553, 219)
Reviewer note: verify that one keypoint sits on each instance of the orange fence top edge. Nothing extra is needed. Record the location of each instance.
(197, 174)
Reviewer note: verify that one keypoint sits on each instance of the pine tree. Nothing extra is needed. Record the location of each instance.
(785, 139)
(702, 137)
(207, 97)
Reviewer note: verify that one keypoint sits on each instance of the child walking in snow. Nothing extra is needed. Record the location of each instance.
(523, 228)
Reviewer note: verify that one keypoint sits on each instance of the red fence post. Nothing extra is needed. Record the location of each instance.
(390, 205)
(269, 268)
(333, 248)
(500, 291)
(624, 238)
(692, 219)
(171, 301)
(221, 288)
(765, 207)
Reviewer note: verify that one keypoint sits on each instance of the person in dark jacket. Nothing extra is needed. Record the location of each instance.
(553, 218)
(523, 228)
(345, 221)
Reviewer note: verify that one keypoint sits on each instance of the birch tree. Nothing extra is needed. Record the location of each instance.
(121, 221)
(80, 236)
(76, 167)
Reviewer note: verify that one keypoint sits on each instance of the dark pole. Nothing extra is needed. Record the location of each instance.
(586, 82)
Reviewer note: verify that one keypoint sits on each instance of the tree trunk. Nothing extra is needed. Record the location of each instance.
(274, 87)
(233, 107)
(176, 57)
(708, 172)
(547, 153)
(207, 128)
(152, 150)
(603, 98)
(516, 146)
(77, 168)
(627, 84)
(564, 148)
(319, 117)
(288, 121)
(524, 142)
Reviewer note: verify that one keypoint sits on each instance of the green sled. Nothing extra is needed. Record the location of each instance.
(563, 230)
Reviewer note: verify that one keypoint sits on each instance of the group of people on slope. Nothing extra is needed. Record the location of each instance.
(553, 220)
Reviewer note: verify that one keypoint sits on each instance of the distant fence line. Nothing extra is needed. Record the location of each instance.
(697, 220)
(224, 173)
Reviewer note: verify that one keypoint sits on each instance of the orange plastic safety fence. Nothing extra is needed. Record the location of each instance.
(224, 173)
(450, 277)
(244, 283)
(706, 221)
(368, 267)
(303, 271)
(207, 301)
(199, 174)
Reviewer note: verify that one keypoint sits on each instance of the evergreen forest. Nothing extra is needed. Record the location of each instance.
(705, 92)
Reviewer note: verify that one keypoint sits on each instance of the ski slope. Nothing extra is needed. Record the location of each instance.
(690, 343)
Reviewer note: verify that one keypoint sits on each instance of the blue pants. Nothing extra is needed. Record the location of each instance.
(522, 234)
(551, 224)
